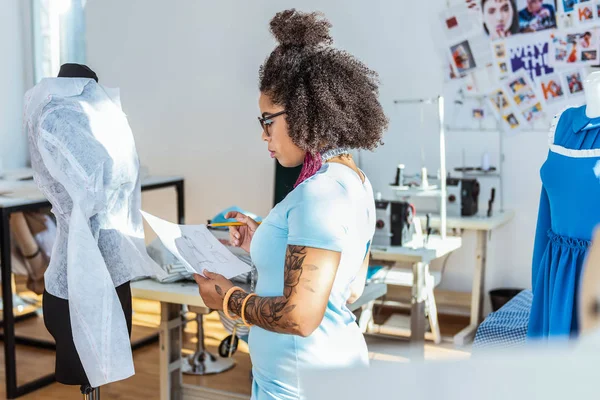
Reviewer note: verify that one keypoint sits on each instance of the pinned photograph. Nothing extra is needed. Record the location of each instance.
(503, 67)
(451, 22)
(500, 50)
(552, 89)
(576, 46)
(511, 120)
(574, 82)
(500, 17)
(569, 5)
(499, 100)
(533, 113)
(524, 96)
(463, 57)
(536, 15)
(585, 12)
(517, 85)
(589, 55)
(478, 113)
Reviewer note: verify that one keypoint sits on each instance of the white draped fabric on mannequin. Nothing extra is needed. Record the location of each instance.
(85, 162)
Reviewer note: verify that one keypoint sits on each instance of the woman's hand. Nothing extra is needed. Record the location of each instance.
(213, 288)
(241, 236)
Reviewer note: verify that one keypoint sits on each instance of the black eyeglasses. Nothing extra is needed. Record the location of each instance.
(267, 120)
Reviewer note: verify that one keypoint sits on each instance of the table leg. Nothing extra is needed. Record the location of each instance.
(417, 312)
(477, 292)
(8, 317)
(171, 341)
(179, 188)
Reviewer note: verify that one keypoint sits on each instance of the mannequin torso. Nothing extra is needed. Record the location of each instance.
(592, 94)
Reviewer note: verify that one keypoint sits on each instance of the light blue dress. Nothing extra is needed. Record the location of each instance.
(331, 210)
(568, 213)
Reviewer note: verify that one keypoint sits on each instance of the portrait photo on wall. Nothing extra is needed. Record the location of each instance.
(504, 18)
(536, 15)
(500, 17)
(574, 82)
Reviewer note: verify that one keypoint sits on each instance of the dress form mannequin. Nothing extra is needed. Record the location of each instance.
(568, 215)
(69, 369)
(85, 162)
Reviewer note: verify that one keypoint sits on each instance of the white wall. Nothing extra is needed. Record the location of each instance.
(13, 151)
(188, 74)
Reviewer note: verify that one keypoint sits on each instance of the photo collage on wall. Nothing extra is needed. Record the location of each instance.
(537, 63)
(516, 102)
(575, 47)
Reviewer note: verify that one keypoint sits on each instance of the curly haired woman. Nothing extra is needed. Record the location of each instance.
(311, 252)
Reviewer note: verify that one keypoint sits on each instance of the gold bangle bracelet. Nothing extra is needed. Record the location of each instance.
(244, 309)
(226, 301)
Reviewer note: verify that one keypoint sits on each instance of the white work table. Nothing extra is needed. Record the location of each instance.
(434, 249)
(475, 223)
(420, 256)
(483, 227)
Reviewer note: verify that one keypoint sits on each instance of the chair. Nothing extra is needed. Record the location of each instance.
(202, 362)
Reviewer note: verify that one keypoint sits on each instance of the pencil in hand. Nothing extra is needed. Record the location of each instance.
(222, 224)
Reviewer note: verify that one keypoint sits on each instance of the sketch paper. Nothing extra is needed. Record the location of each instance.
(197, 248)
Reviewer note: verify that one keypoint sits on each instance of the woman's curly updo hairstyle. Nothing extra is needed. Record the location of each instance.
(330, 97)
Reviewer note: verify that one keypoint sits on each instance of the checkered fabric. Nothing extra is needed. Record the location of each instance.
(506, 327)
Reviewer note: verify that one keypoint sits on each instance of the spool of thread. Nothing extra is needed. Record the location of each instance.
(485, 161)
(399, 181)
(424, 181)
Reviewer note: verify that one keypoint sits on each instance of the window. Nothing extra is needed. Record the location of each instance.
(58, 35)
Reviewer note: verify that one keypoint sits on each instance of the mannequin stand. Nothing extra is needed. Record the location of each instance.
(202, 362)
(90, 393)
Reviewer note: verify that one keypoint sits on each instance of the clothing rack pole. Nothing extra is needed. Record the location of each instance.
(443, 182)
(439, 100)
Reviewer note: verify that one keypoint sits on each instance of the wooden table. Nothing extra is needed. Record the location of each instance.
(172, 296)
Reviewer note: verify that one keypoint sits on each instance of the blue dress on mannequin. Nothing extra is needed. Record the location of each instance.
(569, 212)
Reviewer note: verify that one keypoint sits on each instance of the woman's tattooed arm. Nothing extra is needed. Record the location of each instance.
(280, 314)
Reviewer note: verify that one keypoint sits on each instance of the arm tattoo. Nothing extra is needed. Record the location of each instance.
(219, 290)
(270, 312)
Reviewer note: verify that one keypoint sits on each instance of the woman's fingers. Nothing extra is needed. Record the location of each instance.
(234, 236)
(234, 232)
(252, 224)
(199, 278)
